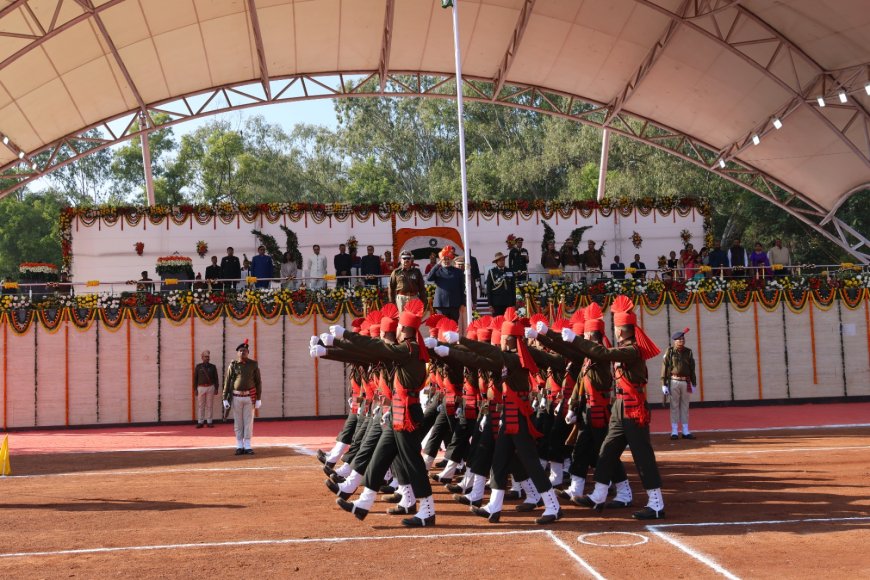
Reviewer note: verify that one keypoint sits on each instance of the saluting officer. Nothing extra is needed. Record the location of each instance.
(500, 286)
(406, 282)
(242, 390)
(678, 382)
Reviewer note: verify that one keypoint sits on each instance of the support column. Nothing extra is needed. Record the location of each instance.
(146, 163)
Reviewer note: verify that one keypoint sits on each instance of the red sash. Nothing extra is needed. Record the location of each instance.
(469, 398)
(452, 393)
(514, 406)
(385, 388)
(354, 395)
(598, 405)
(402, 401)
(634, 401)
(554, 388)
(494, 403)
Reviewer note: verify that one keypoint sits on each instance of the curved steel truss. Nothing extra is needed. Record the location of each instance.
(351, 84)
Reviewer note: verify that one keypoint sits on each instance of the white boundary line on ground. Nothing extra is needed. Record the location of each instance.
(291, 541)
(161, 471)
(761, 451)
(784, 428)
(295, 446)
(592, 571)
(655, 529)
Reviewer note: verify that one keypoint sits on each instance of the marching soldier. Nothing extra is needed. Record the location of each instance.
(242, 391)
(406, 282)
(678, 382)
(629, 423)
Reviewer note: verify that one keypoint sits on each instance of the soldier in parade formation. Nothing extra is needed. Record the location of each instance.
(526, 408)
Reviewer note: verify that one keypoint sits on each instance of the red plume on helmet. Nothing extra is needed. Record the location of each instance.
(536, 318)
(623, 315)
(484, 328)
(471, 330)
(374, 320)
(356, 324)
(559, 324)
(412, 317)
(432, 323)
(446, 325)
(513, 327)
(595, 322)
(577, 320)
(495, 325)
(389, 317)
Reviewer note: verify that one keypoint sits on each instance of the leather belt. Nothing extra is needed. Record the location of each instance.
(680, 378)
(243, 393)
(621, 391)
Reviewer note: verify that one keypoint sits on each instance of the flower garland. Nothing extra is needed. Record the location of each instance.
(97, 364)
(139, 247)
(159, 337)
(730, 361)
(38, 271)
(35, 376)
(201, 248)
(785, 352)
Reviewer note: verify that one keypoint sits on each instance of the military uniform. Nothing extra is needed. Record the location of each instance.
(678, 381)
(500, 289)
(242, 390)
(205, 387)
(405, 285)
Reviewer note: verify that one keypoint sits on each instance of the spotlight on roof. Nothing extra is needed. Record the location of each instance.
(842, 95)
(722, 163)
(777, 123)
(33, 165)
(21, 154)
(5, 140)
(821, 101)
(756, 139)
(867, 88)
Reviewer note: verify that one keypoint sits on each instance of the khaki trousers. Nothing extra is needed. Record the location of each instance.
(243, 418)
(204, 403)
(679, 402)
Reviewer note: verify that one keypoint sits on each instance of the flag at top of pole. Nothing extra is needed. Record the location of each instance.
(460, 114)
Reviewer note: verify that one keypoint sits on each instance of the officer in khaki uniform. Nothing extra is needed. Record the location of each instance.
(242, 391)
(678, 382)
(406, 283)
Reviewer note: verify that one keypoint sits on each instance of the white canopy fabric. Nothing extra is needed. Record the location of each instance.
(716, 71)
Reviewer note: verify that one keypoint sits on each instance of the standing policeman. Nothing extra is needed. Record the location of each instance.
(406, 283)
(242, 390)
(678, 381)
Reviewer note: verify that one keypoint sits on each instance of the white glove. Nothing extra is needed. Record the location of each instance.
(531, 333)
(385, 418)
(336, 330)
(327, 339)
(317, 351)
(257, 405)
(570, 417)
(226, 404)
(535, 404)
(430, 342)
(541, 327)
(439, 408)
(451, 337)
(665, 390)
(483, 423)
(568, 335)
(442, 351)
(314, 340)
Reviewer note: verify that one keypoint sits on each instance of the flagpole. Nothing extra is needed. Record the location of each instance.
(460, 114)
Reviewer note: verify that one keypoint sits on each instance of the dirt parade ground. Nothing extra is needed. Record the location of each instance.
(742, 501)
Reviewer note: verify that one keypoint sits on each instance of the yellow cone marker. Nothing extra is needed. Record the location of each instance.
(5, 466)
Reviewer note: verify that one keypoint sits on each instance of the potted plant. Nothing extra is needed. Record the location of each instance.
(176, 268)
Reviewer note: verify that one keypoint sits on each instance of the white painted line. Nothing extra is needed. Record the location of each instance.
(708, 561)
(61, 451)
(585, 539)
(592, 571)
(704, 559)
(285, 541)
(159, 471)
(763, 522)
(303, 450)
(785, 428)
(763, 451)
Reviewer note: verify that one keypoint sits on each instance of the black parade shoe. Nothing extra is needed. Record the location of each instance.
(493, 518)
(465, 501)
(648, 513)
(321, 456)
(333, 487)
(528, 507)
(348, 506)
(416, 522)
(456, 488)
(586, 501)
(549, 519)
(401, 510)
(617, 504)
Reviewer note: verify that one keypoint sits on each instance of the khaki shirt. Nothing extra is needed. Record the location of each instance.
(410, 370)
(407, 282)
(242, 377)
(633, 367)
(205, 375)
(679, 362)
